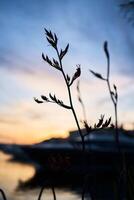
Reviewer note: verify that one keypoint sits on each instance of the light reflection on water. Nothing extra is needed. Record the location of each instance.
(11, 173)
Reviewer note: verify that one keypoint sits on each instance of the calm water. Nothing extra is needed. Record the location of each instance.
(11, 173)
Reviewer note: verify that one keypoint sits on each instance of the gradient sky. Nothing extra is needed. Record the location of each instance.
(85, 25)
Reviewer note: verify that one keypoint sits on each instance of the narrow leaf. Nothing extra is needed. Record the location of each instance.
(55, 38)
(100, 121)
(49, 34)
(112, 93)
(97, 75)
(116, 96)
(44, 98)
(37, 100)
(112, 126)
(63, 53)
(107, 122)
(87, 127)
(68, 78)
(115, 87)
(52, 97)
(51, 42)
(55, 64)
(76, 74)
(106, 49)
(46, 59)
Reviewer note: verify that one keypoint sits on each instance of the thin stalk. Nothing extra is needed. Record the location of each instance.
(42, 190)
(114, 103)
(116, 126)
(115, 114)
(3, 194)
(73, 110)
(71, 102)
(54, 194)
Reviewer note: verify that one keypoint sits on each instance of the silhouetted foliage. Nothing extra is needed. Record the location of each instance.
(53, 41)
(57, 64)
(123, 176)
(97, 75)
(113, 92)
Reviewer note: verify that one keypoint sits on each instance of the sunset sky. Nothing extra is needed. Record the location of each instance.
(85, 25)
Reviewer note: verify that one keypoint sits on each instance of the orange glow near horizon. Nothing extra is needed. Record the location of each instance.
(31, 137)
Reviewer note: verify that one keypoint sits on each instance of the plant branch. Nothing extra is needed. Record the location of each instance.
(70, 99)
(3, 194)
(112, 95)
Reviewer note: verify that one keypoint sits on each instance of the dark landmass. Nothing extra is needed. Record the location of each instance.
(59, 162)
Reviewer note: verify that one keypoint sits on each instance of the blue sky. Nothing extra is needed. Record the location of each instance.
(85, 25)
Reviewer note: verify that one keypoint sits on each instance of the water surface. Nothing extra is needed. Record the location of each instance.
(10, 175)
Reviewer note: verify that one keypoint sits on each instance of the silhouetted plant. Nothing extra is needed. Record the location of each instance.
(52, 98)
(112, 91)
(57, 64)
(124, 174)
(53, 41)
